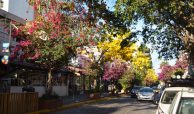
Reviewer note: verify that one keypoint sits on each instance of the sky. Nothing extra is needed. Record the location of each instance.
(156, 62)
(154, 54)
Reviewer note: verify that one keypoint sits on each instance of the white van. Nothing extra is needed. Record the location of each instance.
(183, 103)
(167, 97)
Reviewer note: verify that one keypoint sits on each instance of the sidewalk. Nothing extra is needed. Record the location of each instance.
(78, 98)
(74, 101)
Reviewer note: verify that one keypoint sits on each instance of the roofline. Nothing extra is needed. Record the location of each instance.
(8, 15)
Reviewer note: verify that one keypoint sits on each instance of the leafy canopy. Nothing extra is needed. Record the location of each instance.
(169, 24)
(52, 37)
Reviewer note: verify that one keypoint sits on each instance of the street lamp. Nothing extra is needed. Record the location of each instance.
(173, 77)
(178, 77)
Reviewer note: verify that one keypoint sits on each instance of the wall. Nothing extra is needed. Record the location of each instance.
(5, 5)
(40, 89)
(18, 89)
(19, 8)
(60, 90)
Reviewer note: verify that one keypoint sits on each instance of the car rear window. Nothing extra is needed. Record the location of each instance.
(168, 97)
(146, 90)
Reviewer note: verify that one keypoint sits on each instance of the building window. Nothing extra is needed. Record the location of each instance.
(1, 4)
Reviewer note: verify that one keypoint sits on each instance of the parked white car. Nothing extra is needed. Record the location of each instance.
(183, 103)
(167, 97)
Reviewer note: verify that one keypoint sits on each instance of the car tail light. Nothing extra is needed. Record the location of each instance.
(160, 111)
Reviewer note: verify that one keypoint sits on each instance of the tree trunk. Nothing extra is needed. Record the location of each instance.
(49, 82)
(90, 88)
(84, 83)
(112, 86)
(188, 40)
(98, 83)
(191, 63)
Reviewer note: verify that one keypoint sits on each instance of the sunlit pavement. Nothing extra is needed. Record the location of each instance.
(120, 105)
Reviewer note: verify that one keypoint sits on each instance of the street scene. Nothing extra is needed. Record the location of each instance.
(96, 56)
(123, 105)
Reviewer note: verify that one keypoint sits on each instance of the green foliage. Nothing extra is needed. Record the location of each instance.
(126, 79)
(179, 72)
(99, 10)
(168, 26)
(54, 56)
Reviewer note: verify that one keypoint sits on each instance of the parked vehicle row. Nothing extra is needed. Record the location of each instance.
(170, 100)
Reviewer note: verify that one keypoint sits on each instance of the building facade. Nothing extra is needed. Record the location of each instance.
(19, 8)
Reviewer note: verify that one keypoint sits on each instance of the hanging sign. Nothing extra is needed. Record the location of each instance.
(5, 47)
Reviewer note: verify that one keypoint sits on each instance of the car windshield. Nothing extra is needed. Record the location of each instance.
(186, 106)
(146, 90)
(168, 97)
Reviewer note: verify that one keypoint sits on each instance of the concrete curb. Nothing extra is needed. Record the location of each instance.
(74, 105)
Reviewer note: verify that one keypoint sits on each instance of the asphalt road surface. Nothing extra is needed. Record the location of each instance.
(121, 105)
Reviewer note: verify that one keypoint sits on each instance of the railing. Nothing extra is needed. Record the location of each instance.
(18, 103)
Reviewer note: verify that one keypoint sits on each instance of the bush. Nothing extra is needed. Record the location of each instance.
(49, 96)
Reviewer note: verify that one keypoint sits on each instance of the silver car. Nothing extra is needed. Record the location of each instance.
(145, 93)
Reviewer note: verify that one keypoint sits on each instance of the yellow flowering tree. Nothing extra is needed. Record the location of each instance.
(113, 50)
(138, 57)
(150, 77)
(141, 61)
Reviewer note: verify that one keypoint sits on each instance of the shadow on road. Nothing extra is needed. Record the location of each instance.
(124, 105)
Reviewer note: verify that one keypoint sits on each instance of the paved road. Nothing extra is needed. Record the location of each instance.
(123, 105)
